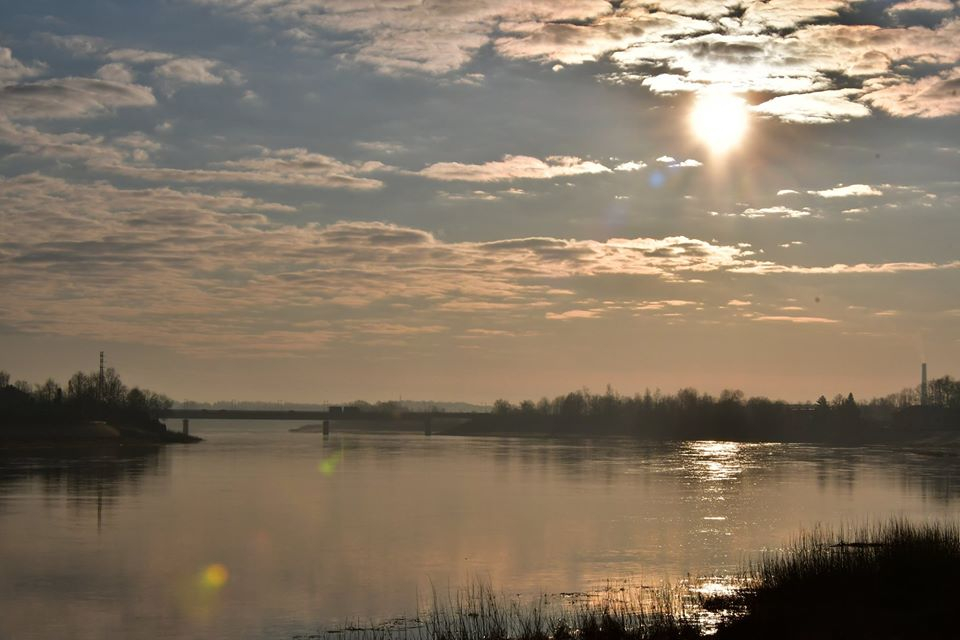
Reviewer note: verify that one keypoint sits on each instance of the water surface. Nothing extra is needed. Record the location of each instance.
(261, 533)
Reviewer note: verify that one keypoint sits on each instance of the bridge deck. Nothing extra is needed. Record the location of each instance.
(247, 414)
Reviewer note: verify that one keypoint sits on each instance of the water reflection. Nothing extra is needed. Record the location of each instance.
(80, 472)
(710, 461)
(261, 533)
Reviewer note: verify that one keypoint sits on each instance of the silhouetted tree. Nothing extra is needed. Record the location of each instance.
(49, 391)
(945, 392)
(502, 407)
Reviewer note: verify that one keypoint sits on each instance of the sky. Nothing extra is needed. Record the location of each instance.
(325, 200)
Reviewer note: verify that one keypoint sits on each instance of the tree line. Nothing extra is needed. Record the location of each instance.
(689, 414)
(87, 396)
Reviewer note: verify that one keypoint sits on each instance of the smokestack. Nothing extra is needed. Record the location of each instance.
(923, 384)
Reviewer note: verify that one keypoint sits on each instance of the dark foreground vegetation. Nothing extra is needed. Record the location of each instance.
(92, 408)
(690, 415)
(891, 582)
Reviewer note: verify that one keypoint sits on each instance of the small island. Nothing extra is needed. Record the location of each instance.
(96, 408)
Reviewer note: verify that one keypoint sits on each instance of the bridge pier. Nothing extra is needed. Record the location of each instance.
(326, 427)
(427, 427)
(185, 428)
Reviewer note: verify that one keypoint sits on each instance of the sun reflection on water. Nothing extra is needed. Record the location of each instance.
(713, 461)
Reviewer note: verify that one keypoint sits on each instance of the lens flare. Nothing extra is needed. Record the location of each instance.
(328, 465)
(214, 576)
(719, 120)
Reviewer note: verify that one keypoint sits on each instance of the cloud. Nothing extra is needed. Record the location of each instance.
(801, 66)
(226, 273)
(128, 156)
(795, 319)
(630, 166)
(478, 195)
(738, 303)
(380, 146)
(573, 314)
(410, 37)
(512, 168)
(72, 98)
(189, 71)
(78, 45)
(819, 107)
(934, 6)
(656, 305)
(138, 140)
(116, 72)
(393, 329)
(570, 43)
(846, 269)
(179, 72)
(58, 146)
(204, 272)
(848, 191)
(12, 70)
(818, 72)
(295, 166)
(673, 162)
(171, 70)
(781, 211)
(929, 97)
(736, 62)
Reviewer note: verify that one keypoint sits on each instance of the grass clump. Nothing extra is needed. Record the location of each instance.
(480, 613)
(893, 580)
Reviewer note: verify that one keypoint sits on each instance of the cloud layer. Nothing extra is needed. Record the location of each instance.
(205, 273)
(774, 46)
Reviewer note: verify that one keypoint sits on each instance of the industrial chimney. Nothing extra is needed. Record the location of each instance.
(923, 384)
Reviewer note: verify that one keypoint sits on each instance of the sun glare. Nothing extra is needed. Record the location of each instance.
(719, 120)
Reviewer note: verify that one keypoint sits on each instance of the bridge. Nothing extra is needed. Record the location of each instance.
(397, 421)
(279, 414)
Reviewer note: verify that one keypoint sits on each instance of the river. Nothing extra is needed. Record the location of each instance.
(259, 533)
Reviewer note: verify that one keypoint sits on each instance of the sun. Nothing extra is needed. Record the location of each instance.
(719, 120)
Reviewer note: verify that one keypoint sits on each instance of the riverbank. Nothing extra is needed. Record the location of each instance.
(89, 432)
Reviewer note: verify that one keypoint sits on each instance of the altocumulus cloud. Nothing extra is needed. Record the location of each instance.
(71, 98)
(848, 191)
(825, 72)
(171, 71)
(197, 271)
(513, 168)
(12, 69)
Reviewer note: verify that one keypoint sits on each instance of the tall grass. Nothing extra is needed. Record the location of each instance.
(478, 612)
(890, 580)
